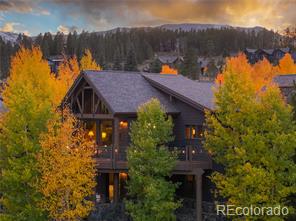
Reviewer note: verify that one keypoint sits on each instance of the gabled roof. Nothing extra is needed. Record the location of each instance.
(168, 59)
(55, 58)
(123, 92)
(250, 50)
(203, 61)
(198, 94)
(268, 51)
(285, 80)
(285, 50)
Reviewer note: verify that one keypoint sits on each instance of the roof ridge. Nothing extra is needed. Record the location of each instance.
(285, 75)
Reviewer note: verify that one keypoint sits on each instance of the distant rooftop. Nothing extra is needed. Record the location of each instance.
(168, 59)
(269, 51)
(56, 58)
(286, 80)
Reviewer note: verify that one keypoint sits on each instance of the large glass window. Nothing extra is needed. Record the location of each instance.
(106, 130)
(193, 132)
(123, 133)
(88, 102)
(90, 127)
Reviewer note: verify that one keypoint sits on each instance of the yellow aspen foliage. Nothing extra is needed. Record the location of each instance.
(87, 62)
(27, 71)
(29, 100)
(263, 73)
(166, 69)
(259, 74)
(219, 79)
(67, 169)
(247, 133)
(287, 65)
(67, 73)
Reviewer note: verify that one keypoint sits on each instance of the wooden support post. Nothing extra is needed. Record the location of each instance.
(198, 183)
(116, 187)
(102, 186)
(115, 141)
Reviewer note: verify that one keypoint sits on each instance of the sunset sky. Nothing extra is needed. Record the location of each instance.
(34, 16)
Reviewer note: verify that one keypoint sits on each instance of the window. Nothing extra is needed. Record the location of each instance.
(90, 127)
(85, 101)
(193, 132)
(123, 133)
(106, 132)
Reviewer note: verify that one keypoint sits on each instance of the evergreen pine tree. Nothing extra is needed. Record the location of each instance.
(72, 43)
(155, 66)
(46, 45)
(189, 67)
(212, 69)
(117, 61)
(151, 195)
(58, 44)
(130, 63)
(38, 40)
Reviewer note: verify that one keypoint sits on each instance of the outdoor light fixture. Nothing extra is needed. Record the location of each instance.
(123, 124)
(91, 133)
(123, 176)
(104, 135)
(193, 132)
(193, 152)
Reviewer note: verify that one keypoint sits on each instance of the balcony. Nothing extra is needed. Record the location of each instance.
(190, 153)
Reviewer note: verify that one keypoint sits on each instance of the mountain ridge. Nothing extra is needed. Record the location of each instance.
(186, 27)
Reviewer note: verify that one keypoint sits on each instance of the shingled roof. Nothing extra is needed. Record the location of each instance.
(125, 91)
(168, 59)
(250, 50)
(199, 94)
(285, 80)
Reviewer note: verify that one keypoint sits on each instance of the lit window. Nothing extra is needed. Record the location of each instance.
(123, 124)
(188, 132)
(90, 127)
(193, 131)
(106, 132)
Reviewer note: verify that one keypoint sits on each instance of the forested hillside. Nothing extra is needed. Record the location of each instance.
(112, 48)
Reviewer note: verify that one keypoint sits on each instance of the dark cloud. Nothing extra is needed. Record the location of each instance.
(103, 14)
(67, 29)
(272, 13)
(16, 5)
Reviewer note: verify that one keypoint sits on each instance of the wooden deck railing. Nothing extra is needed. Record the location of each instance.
(187, 150)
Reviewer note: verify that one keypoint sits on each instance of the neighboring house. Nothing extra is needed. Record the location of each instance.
(107, 102)
(210, 66)
(251, 55)
(273, 55)
(279, 53)
(286, 84)
(171, 60)
(54, 62)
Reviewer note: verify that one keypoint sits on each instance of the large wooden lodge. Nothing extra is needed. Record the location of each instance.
(107, 102)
